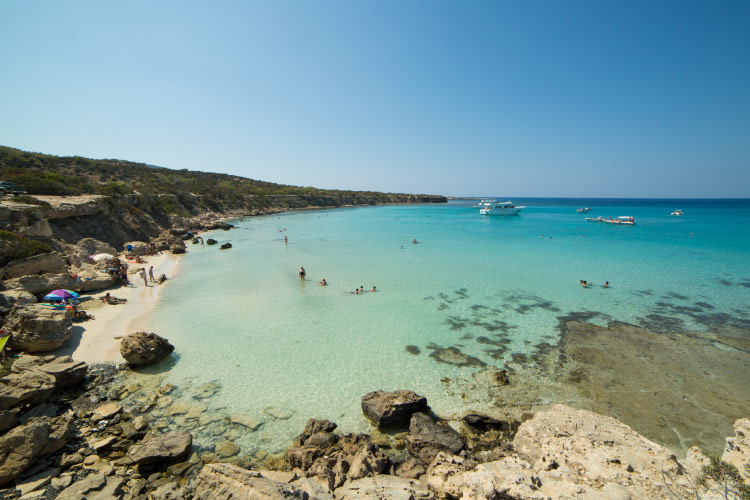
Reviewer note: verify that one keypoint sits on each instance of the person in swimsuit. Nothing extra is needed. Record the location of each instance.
(323, 282)
(302, 273)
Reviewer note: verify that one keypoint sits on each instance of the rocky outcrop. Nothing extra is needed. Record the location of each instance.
(38, 264)
(22, 446)
(136, 248)
(27, 387)
(392, 409)
(225, 481)
(171, 446)
(93, 246)
(737, 451)
(426, 438)
(11, 298)
(64, 369)
(88, 280)
(142, 348)
(383, 487)
(36, 328)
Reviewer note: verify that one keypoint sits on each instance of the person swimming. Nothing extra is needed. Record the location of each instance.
(373, 289)
(323, 282)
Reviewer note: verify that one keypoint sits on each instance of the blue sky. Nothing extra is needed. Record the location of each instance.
(525, 98)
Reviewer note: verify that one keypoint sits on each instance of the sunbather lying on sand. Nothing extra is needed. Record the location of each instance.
(109, 299)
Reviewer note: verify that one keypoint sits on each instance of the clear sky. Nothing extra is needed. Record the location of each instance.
(526, 98)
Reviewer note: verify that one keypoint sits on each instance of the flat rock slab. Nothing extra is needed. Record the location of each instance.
(225, 482)
(245, 421)
(79, 489)
(171, 446)
(108, 410)
(383, 487)
(392, 409)
(37, 481)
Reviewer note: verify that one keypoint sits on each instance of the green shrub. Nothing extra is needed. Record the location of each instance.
(14, 246)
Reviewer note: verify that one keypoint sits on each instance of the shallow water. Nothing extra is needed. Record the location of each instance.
(491, 287)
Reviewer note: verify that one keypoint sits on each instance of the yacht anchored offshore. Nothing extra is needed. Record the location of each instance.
(499, 208)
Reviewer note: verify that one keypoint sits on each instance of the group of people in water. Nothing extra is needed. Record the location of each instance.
(302, 274)
(586, 284)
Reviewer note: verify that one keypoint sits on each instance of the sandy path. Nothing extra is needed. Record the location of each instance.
(95, 341)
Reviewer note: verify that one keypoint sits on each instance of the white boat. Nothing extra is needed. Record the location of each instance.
(626, 220)
(499, 208)
(678, 212)
(595, 219)
(583, 210)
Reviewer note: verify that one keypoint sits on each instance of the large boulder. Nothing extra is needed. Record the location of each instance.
(37, 328)
(11, 298)
(37, 264)
(168, 447)
(142, 348)
(426, 438)
(92, 246)
(225, 481)
(22, 446)
(29, 387)
(177, 248)
(392, 409)
(92, 280)
(86, 281)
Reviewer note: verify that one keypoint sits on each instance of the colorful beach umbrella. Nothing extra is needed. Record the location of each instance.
(61, 295)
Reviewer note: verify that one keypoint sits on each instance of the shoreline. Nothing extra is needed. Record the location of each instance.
(98, 340)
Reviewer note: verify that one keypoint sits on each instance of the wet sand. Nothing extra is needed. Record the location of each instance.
(97, 340)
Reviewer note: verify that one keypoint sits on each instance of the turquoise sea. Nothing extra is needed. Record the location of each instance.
(491, 286)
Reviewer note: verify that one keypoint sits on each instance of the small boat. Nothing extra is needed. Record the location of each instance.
(499, 208)
(583, 210)
(595, 219)
(626, 220)
(678, 212)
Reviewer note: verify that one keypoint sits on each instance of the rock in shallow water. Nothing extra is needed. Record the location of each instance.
(392, 409)
(142, 348)
(171, 446)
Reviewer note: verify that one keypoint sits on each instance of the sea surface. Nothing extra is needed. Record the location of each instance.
(282, 350)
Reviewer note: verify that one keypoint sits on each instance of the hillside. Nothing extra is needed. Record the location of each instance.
(192, 190)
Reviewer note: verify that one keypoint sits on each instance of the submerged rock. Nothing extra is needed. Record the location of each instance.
(225, 246)
(171, 446)
(211, 241)
(392, 409)
(142, 348)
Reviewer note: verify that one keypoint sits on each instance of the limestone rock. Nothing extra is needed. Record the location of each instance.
(445, 475)
(177, 248)
(141, 348)
(224, 482)
(383, 487)
(392, 409)
(8, 419)
(37, 481)
(37, 264)
(411, 469)
(36, 328)
(737, 451)
(10, 298)
(313, 487)
(36, 284)
(171, 446)
(26, 387)
(245, 421)
(226, 449)
(91, 281)
(426, 438)
(22, 446)
(66, 371)
(93, 246)
(80, 489)
(108, 410)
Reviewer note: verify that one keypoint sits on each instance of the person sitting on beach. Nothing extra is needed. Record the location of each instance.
(79, 316)
(323, 282)
(302, 273)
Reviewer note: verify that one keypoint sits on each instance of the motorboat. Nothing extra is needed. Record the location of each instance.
(678, 212)
(583, 210)
(626, 220)
(492, 207)
(595, 219)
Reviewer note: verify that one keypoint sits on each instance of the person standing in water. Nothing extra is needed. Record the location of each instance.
(286, 241)
(151, 274)
(302, 273)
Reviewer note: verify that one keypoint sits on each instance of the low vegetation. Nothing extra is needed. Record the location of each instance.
(14, 246)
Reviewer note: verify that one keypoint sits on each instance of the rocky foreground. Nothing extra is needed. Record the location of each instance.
(65, 435)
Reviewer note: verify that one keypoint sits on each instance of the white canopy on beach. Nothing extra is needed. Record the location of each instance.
(102, 256)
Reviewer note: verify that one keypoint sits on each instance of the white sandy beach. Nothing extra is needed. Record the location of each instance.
(97, 340)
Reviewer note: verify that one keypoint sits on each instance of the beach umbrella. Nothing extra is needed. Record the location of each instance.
(102, 256)
(61, 295)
